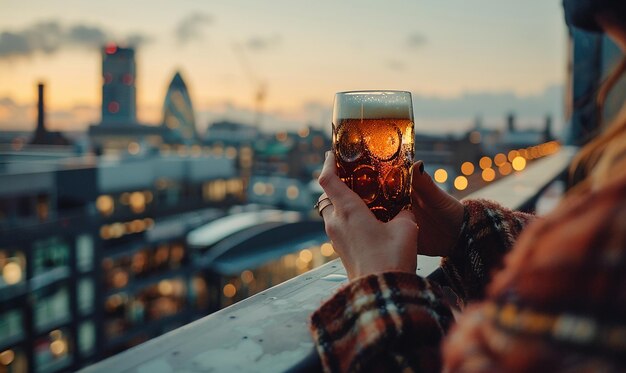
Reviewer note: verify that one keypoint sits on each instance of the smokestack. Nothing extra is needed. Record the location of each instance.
(40, 109)
(547, 131)
(510, 122)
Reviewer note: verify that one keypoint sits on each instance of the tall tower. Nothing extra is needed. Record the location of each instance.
(178, 114)
(118, 87)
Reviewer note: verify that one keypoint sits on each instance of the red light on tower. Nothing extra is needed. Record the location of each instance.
(113, 107)
(127, 79)
(110, 48)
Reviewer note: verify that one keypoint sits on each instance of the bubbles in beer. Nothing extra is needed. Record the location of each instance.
(393, 185)
(365, 182)
(383, 141)
(349, 142)
(343, 175)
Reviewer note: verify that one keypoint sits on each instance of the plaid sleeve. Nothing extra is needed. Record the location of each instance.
(487, 234)
(386, 322)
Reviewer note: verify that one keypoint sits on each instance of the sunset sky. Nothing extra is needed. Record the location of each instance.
(459, 58)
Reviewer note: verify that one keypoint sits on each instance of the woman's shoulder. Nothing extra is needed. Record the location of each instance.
(573, 259)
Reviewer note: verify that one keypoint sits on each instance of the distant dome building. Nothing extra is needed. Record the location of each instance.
(178, 114)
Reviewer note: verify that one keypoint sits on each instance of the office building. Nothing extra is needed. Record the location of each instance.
(178, 115)
(119, 101)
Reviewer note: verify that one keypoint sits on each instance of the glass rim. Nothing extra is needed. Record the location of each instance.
(371, 91)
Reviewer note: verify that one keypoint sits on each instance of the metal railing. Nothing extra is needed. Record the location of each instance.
(269, 331)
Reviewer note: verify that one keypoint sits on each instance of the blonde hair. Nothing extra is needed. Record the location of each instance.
(604, 158)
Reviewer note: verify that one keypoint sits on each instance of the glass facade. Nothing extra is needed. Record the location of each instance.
(178, 115)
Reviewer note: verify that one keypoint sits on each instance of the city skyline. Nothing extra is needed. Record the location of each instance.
(302, 52)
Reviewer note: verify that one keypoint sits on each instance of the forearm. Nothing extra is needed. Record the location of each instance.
(487, 235)
(392, 321)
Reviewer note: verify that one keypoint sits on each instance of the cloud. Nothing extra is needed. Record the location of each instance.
(190, 27)
(88, 36)
(50, 36)
(135, 40)
(259, 43)
(416, 40)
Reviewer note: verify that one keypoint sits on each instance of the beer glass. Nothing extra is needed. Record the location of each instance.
(373, 145)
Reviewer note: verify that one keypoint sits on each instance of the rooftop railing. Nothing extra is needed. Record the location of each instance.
(269, 331)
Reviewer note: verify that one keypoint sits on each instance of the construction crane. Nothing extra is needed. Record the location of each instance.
(259, 86)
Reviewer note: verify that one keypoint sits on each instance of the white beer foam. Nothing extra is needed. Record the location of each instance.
(373, 105)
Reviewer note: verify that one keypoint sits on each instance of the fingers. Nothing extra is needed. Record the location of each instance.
(337, 190)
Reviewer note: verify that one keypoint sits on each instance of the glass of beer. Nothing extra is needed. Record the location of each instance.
(373, 144)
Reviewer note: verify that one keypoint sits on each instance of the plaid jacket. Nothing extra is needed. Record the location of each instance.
(558, 304)
(371, 324)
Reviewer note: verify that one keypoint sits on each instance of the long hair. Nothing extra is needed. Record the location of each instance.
(603, 158)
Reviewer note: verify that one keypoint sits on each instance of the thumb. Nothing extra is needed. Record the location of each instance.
(423, 188)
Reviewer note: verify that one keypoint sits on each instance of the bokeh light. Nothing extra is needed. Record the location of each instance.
(441, 175)
(467, 168)
(488, 174)
(519, 163)
(460, 182)
(485, 162)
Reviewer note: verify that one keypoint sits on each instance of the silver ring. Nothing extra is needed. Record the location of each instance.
(322, 203)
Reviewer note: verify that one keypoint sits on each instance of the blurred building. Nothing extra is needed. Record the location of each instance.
(298, 155)
(178, 114)
(119, 101)
(231, 133)
(119, 128)
(593, 58)
(93, 253)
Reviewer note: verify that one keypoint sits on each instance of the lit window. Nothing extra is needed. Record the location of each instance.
(292, 192)
(247, 276)
(86, 337)
(137, 202)
(475, 137)
(231, 152)
(303, 132)
(229, 290)
(12, 273)
(105, 205)
(134, 148)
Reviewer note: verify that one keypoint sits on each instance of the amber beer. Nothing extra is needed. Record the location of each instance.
(373, 144)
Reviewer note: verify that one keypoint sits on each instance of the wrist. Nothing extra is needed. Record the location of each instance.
(376, 268)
